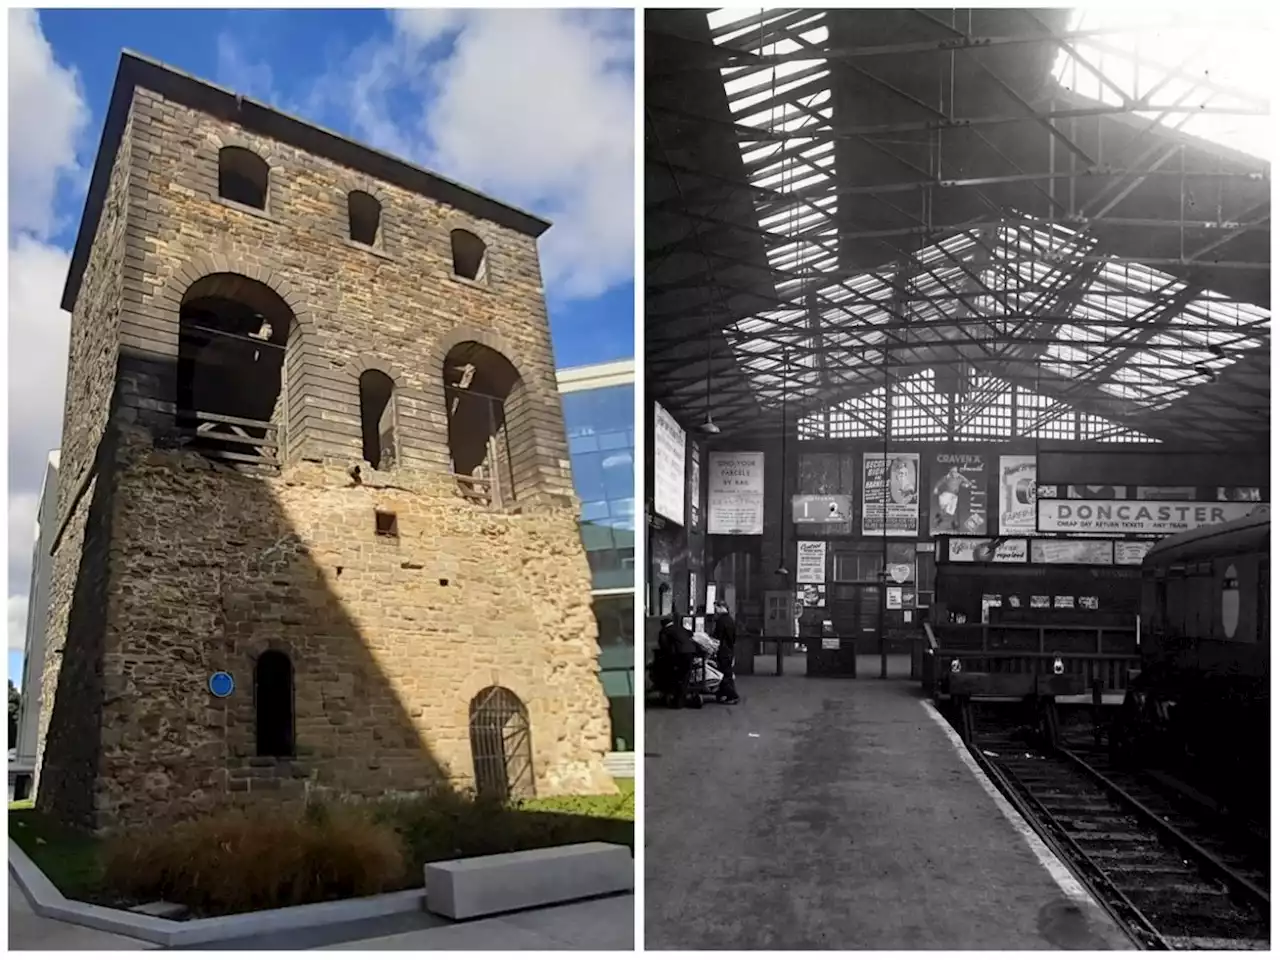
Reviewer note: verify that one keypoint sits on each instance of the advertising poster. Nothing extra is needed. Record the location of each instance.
(695, 488)
(982, 550)
(890, 495)
(735, 493)
(893, 598)
(812, 595)
(1088, 492)
(1134, 516)
(1039, 602)
(958, 494)
(1166, 493)
(1240, 494)
(1017, 494)
(811, 561)
(1089, 552)
(1064, 603)
(1129, 553)
(668, 466)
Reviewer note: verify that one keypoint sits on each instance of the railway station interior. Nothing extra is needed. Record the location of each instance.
(957, 339)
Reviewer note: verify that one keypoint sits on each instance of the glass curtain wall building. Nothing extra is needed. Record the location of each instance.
(599, 417)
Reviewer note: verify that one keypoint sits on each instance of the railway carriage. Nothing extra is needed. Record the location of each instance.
(1201, 700)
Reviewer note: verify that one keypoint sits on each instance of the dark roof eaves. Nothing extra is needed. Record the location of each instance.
(136, 70)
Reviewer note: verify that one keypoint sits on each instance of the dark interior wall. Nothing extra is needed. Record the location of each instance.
(961, 587)
(676, 550)
(1156, 467)
(835, 467)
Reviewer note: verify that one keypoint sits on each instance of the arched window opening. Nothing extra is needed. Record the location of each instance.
(490, 439)
(232, 338)
(470, 256)
(501, 748)
(364, 216)
(273, 704)
(378, 419)
(243, 177)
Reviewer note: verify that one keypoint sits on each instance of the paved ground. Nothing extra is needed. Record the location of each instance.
(836, 814)
(29, 932)
(603, 924)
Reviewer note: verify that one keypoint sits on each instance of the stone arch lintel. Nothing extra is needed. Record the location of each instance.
(358, 365)
(202, 265)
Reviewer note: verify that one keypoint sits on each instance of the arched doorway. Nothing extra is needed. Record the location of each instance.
(490, 445)
(232, 336)
(501, 748)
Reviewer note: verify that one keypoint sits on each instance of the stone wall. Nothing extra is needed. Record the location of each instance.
(397, 306)
(390, 638)
(67, 758)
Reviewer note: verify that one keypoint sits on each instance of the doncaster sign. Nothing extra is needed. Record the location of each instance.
(1133, 516)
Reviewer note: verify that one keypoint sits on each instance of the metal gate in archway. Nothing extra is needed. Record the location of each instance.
(501, 745)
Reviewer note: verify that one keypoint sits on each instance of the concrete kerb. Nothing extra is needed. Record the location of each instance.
(48, 902)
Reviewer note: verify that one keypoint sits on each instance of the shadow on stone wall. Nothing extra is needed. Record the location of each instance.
(210, 568)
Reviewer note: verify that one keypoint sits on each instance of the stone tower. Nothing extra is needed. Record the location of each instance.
(312, 440)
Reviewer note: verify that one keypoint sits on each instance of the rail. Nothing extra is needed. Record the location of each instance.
(1196, 891)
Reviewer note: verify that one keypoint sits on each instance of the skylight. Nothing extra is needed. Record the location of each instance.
(1212, 68)
(1021, 290)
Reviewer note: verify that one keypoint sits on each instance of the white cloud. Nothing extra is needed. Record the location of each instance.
(17, 626)
(238, 72)
(502, 113)
(47, 115)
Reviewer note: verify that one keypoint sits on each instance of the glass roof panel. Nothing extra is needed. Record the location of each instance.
(1212, 65)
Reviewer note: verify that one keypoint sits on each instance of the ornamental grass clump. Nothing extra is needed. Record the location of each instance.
(261, 858)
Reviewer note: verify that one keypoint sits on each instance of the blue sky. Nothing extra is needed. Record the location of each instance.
(471, 94)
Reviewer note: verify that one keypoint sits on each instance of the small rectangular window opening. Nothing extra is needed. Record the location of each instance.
(385, 524)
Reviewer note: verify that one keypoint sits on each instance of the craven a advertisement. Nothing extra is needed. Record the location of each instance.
(984, 550)
(735, 493)
(1017, 494)
(1134, 516)
(890, 495)
(957, 494)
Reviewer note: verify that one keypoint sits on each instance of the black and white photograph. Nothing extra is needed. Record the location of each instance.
(1000, 280)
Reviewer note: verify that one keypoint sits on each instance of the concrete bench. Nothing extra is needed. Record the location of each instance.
(483, 886)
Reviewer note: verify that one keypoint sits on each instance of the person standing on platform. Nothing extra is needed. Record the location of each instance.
(725, 632)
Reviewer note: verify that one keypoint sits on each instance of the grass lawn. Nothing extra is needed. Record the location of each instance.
(620, 807)
(72, 861)
(69, 858)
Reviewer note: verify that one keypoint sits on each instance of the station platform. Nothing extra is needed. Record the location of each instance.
(846, 815)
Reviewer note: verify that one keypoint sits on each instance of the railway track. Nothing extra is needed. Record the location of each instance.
(1175, 878)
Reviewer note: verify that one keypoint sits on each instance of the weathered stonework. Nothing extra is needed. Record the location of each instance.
(172, 566)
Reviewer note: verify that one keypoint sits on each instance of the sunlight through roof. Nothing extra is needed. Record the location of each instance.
(1206, 78)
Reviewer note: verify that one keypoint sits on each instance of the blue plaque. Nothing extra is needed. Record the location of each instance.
(221, 684)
